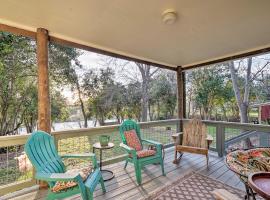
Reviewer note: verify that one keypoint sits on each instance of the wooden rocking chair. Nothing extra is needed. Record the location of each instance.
(195, 140)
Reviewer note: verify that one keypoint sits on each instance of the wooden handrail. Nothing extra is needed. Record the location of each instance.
(21, 139)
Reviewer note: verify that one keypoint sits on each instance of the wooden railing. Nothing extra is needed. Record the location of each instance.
(81, 140)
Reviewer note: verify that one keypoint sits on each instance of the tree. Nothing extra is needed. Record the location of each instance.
(208, 84)
(134, 96)
(135, 72)
(242, 101)
(119, 101)
(59, 107)
(17, 75)
(99, 87)
(146, 74)
(243, 95)
(64, 67)
(163, 96)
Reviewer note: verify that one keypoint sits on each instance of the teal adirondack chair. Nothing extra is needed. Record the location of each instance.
(133, 155)
(49, 167)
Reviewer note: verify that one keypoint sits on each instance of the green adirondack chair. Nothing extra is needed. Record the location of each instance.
(49, 167)
(133, 155)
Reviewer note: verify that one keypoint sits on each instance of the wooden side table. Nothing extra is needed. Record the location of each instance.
(106, 174)
(176, 140)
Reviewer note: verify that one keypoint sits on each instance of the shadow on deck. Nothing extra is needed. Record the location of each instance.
(124, 186)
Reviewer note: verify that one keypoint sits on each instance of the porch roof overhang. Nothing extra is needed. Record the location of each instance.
(205, 31)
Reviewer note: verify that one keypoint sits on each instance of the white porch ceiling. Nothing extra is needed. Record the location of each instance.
(205, 29)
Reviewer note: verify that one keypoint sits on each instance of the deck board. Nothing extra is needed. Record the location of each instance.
(124, 186)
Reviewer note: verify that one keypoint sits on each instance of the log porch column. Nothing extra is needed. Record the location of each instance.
(44, 105)
(181, 97)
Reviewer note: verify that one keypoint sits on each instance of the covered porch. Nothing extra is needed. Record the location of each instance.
(201, 33)
(124, 185)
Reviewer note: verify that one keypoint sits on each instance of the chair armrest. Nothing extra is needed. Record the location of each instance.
(158, 145)
(91, 156)
(127, 148)
(57, 176)
(209, 138)
(152, 142)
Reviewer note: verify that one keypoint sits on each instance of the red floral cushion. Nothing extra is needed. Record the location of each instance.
(62, 185)
(133, 140)
(145, 153)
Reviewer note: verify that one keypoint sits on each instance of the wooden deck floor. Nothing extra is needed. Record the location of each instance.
(124, 186)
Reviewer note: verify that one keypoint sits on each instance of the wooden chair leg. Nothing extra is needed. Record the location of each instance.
(177, 160)
(175, 157)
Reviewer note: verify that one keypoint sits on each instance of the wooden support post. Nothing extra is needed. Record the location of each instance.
(44, 105)
(181, 96)
(220, 140)
(260, 114)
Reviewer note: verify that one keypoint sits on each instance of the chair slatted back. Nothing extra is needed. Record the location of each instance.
(41, 151)
(128, 125)
(195, 134)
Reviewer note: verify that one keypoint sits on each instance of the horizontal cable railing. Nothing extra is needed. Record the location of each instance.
(82, 140)
(15, 170)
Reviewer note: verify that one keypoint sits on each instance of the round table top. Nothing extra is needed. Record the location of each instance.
(98, 146)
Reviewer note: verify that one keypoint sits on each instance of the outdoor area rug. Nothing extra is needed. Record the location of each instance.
(193, 186)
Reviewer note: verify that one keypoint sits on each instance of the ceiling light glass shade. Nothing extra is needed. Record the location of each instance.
(169, 16)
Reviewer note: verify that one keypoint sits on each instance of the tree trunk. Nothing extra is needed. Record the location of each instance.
(242, 103)
(85, 125)
(158, 110)
(146, 75)
(145, 100)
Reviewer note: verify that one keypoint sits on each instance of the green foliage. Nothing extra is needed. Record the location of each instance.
(18, 75)
(162, 97)
(211, 89)
(59, 111)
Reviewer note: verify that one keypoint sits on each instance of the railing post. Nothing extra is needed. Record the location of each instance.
(264, 139)
(220, 137)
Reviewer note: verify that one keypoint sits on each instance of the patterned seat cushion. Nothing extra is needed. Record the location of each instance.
(245, 162)
(145, 153)
(61, 185)
(133, 140)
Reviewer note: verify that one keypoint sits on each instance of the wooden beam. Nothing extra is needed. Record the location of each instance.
(107, 53)
(17, 31)
(234, 57)
(181, 98)
(44, 106)
(180, 92)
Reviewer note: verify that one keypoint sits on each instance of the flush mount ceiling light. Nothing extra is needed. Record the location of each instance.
(169, 16)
